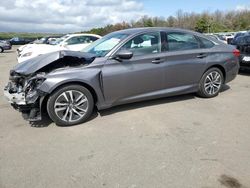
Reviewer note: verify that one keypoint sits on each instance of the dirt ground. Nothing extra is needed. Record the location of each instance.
(176, 142)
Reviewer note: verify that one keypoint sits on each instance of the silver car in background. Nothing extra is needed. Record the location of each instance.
(4, 45)
(122, 67)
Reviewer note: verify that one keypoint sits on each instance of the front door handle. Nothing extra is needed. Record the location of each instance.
(157, 61)
(201, 56)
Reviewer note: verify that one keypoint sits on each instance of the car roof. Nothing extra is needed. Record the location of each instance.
(83, 34)
(149, 29)
(134, 31)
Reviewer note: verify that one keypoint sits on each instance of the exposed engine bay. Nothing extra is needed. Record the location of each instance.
(22, 91)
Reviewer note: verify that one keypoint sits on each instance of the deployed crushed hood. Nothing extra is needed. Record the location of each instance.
(32, 65)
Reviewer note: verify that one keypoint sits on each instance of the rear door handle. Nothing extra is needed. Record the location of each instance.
(157, 61)
(201, 56)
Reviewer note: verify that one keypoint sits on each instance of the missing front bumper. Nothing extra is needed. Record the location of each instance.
(15, 98)
(30, 112)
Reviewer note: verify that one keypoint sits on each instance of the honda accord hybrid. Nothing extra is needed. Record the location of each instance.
(122, 67)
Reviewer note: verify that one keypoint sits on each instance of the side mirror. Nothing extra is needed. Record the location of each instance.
(124, 54)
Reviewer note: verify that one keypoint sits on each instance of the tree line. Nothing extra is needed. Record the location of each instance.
(205, 22)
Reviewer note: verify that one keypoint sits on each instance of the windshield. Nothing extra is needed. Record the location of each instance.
(39, 41)
(59, 40)
(104, 45)
(43, 39)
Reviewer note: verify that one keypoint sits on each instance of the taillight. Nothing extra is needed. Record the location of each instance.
(236, 53)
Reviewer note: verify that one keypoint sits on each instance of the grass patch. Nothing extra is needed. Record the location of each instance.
(9, 35)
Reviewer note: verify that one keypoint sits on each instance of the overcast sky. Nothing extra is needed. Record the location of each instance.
(62, 16)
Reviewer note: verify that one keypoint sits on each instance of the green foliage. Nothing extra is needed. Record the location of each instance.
(6, 35)
(217, 21)
(202, 25)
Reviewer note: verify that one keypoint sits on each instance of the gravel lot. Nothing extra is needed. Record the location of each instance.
(177, 142)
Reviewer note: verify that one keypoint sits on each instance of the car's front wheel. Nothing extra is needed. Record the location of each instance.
(211, 83)
(1, 49)
(70, 105)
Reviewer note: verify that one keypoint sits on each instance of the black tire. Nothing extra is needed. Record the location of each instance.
(205, 93)
(55, 96)
(1, 50)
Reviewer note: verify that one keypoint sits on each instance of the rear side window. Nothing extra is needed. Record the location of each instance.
(181, 41)
(73, 40)
(205, 43)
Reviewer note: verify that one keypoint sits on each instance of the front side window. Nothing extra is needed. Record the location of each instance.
(87, 39)
(83, 39)
(75, 40)
(181, 41)
(144, 44)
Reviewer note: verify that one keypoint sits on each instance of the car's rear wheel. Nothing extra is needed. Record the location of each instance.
(211, 83)
(1, 49)
(70, 105)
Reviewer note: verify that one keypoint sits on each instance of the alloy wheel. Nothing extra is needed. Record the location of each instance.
(71, 106)
(213, 82)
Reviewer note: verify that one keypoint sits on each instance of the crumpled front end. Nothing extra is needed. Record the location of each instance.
(22, 93)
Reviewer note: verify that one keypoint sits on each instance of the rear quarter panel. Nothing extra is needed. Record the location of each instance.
(222, 55)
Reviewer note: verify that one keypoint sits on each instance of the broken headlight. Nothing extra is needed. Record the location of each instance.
(30, 88)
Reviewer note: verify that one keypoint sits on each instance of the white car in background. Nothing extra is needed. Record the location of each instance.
(216, 37)
(229, 37)
(44, 40)
(73, 42)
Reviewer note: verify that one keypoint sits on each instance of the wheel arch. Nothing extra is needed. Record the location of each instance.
(89, 87)
(222, 69)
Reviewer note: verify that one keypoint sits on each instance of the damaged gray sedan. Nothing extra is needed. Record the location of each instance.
(123, 67)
